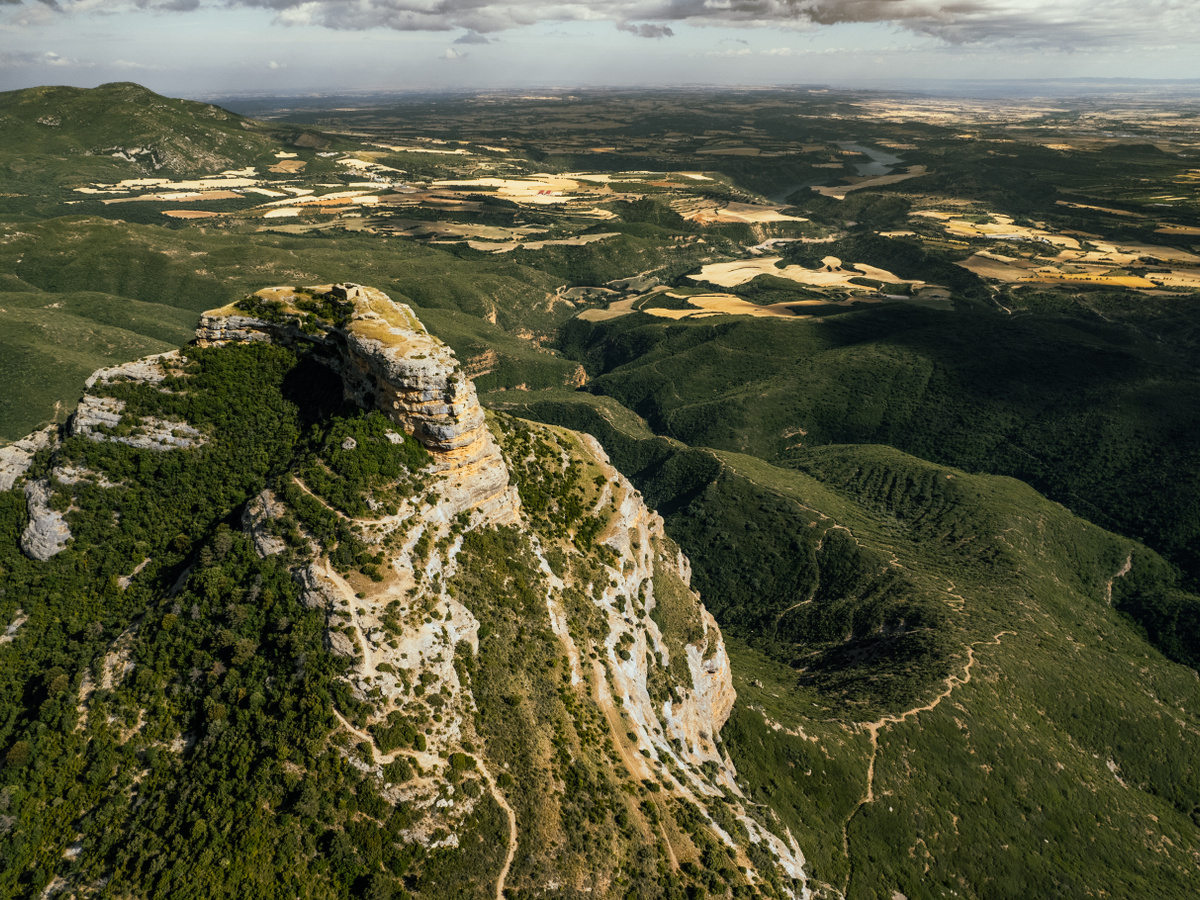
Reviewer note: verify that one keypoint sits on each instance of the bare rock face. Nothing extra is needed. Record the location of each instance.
(220, 329)
(650, 658)
(16, 458)
(148, 369)
(47, 533)
(316, 591)
(637, 536)
(260, 512)
(98, 418)
(388, 361)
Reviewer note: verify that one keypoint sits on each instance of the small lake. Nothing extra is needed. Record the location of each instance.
(881, 163)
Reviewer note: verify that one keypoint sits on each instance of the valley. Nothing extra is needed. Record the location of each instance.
(657, 494)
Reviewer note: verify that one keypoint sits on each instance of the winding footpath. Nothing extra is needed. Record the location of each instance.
(498, 796)
(873, 729)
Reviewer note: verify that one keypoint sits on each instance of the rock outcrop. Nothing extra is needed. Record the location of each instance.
(260, 512)
(16, 459)
(101, 418)
(98, 418)
(47, 533)
(389, 362)
(614, 676)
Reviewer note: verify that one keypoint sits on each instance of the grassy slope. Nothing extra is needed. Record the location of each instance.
(1005, 787)
(1064, 400)
(50, 343)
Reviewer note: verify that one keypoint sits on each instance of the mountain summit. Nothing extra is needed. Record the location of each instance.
(359, 637)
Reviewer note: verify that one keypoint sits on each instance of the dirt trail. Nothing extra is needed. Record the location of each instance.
(951, 590)
(662, 829)
(512, 827)
(873, 729)
(304, 487)
(428, 761)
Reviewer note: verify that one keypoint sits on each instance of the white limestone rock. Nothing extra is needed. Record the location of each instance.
(47, 532)
(259, 514)
(16, 458)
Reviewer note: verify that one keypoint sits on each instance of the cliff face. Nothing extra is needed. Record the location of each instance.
(639, 646)
(388, 361)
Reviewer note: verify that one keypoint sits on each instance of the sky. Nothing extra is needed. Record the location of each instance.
(205, 48)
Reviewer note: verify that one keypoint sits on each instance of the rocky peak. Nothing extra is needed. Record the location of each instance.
(388, 361)
(558, 664)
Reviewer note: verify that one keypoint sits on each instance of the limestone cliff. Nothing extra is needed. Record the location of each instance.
(388, 361)
(639, 647)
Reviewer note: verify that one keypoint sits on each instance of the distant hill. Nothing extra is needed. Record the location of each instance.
(123, 130)
(1072, 403)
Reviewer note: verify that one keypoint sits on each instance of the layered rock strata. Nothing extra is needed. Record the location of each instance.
(101, 418)
(388, 361)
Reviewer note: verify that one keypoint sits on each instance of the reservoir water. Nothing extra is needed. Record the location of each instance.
(881, 163)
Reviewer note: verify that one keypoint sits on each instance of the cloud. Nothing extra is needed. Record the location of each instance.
(647, 31)
(451, 53)
(746, 51)
(276, 65)
(20, 59)
(472, 37)
(1065, 24)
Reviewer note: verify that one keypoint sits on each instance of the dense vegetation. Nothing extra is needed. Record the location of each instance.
(1066, 401)
(173, 737)
(860, 584)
